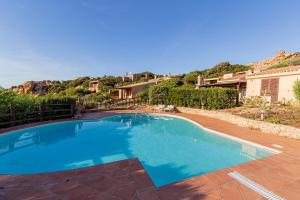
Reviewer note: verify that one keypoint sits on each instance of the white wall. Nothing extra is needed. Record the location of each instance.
(285, 92)
(286, 87)
(253, 87)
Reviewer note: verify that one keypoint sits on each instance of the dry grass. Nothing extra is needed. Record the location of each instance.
(279, 114)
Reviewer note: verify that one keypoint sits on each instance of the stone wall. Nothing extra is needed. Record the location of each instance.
(276, 129)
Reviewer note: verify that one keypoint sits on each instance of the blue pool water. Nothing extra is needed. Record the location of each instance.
(170, 148)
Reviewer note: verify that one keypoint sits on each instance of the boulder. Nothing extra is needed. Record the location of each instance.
(33, 87)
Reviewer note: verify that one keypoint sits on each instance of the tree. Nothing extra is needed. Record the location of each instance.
(191, 78)
(224, 68)
(74, 92)
(6, 96)
(81, 81)
(171, 83)
(98, 97)
(296, 90)
(159, 93)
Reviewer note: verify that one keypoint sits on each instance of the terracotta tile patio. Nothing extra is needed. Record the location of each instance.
(127, 179)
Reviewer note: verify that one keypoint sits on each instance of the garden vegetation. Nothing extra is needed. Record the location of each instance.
(296, 90)
(172, 92)
(27, 103)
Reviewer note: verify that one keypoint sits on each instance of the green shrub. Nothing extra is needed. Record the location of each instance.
(280, 65)
(295, 61)
(254, 102)
(158, 94)
(75, 92)
(191, 78)
(171, 83)
(144, 95)
(296, 90)
(97, 97)
(273, 119)
(208, 98)
(81, 81)
(224, 68)
(55, 99)
(6, 96)
(28, 103)
(286, 63)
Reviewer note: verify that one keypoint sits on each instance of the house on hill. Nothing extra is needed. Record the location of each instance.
(133, 77)
(93, 86)
(130, 91)
(277, 84)
(231, 80)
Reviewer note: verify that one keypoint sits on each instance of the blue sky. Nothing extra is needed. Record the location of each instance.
(64, 39)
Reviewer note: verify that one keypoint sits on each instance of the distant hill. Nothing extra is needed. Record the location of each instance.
(80, 85)
(281, 59)
(224, 68)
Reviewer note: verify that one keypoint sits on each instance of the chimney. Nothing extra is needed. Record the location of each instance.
(200, 80)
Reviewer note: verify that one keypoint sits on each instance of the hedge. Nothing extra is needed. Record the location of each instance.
(206, 98)
(28, 103)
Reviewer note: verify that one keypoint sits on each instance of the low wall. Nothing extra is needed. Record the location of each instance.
(276, 129)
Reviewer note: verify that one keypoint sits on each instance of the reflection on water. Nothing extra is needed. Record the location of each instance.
(170, 149)
(137, 119)
(46, 135)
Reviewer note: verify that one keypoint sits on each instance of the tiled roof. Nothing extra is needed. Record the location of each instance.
(276, 71)
(151, 81)
(230, 82)
(237, 77)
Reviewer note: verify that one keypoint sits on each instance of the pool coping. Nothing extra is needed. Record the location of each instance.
(226, 187)
(210, 131)
(275, 151)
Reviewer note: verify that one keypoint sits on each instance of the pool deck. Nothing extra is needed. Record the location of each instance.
(127, 179)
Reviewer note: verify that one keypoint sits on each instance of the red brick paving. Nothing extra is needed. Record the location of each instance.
(127, 179)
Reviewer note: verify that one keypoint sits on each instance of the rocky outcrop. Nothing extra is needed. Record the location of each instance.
(279, 57)
(33, 87)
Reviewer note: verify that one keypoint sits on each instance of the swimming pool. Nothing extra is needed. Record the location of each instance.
(169, 148)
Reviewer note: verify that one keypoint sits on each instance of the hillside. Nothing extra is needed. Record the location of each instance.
(281, 59)
(79, 86)
(75, 87)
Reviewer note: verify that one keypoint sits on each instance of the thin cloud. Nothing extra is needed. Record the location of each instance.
(18, 68)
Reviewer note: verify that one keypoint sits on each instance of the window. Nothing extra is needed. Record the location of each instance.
(270, 87)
